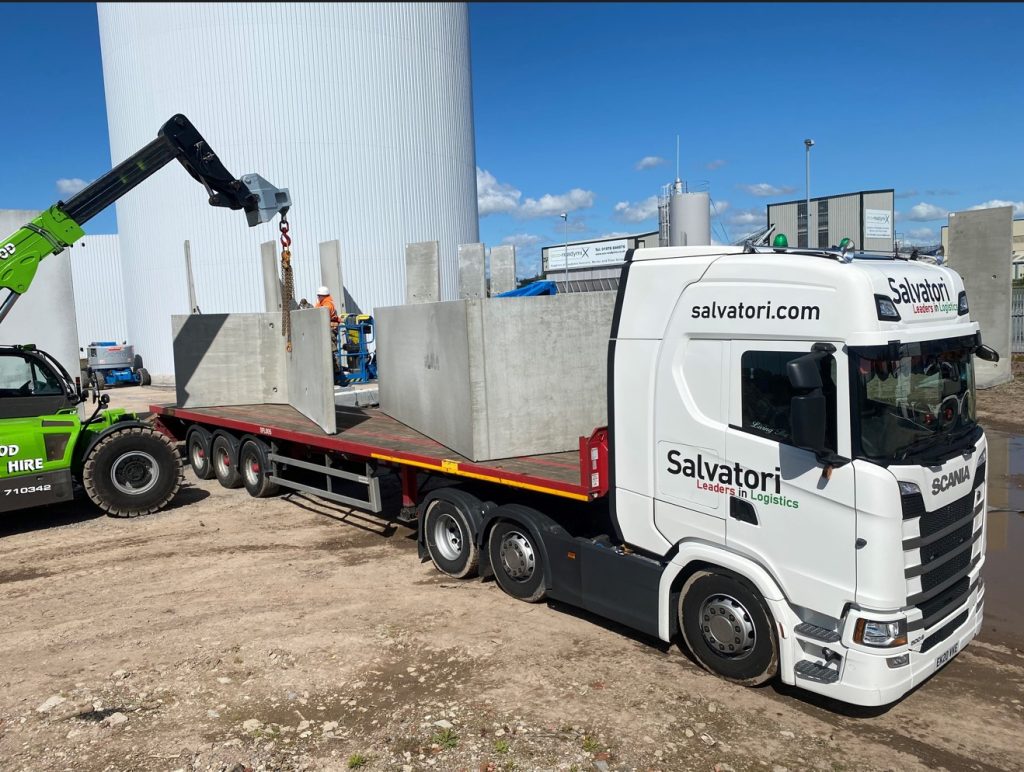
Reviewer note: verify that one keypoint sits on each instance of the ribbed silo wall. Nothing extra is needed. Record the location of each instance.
(363, 110)
(99, 291)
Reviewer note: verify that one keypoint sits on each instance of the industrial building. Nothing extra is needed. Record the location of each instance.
(592, 265)
(369, 124)
(866, 216)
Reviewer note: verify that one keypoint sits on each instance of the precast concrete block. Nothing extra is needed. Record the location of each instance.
(496, 380)
(331, 274)
(472, 272)
(423, 272)
(229, 359)
(981, 243)
(310, 372)
(503, 269)
(271, 278)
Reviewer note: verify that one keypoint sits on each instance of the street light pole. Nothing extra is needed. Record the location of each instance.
(808, 143)
(565, 254)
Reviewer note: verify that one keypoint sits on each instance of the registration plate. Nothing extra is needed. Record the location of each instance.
(947, 655)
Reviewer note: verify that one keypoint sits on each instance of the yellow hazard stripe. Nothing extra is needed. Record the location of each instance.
(452, 467)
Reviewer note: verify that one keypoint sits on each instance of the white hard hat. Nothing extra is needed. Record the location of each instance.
(323, 291)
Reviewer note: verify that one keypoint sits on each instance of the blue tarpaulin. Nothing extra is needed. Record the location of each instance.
(534, 288)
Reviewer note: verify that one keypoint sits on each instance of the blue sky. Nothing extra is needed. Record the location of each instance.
(570, 99)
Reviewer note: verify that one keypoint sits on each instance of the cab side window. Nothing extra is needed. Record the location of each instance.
(766, 394)
(20, 377)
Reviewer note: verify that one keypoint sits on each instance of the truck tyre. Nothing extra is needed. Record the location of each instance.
(517, 561)
(144, 379)
(224, 455)
(449, 534)
(728, 628)
(197, 446)
(132, 472)
(254, 467)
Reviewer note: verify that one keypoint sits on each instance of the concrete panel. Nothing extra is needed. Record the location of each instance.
(271, 277)
(310, 374)
(494, 380)
(982, 243)
(422, 272)
(472, 273)
(503, 269)
(423, 366)
(45, 314)
(330, 273)
(229, 359)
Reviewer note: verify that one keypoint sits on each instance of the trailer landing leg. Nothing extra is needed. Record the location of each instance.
(409, 493)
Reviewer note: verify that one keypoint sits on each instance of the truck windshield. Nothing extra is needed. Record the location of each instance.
(916, 405)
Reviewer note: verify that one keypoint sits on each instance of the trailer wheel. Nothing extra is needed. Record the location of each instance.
(254, 467)
(450, 535)
(517, 561)
(197, 446)
(726, 624)
(224, 453)
(132, 472)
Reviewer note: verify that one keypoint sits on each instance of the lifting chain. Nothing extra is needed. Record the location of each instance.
(287, 282)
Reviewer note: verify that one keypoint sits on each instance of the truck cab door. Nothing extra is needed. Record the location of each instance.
(782, 511)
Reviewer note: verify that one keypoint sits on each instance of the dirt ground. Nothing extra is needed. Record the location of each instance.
(229, 633)
(1002, 407)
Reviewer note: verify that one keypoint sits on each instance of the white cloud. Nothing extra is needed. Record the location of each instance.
(68, 186)
(747, 217)
(923, 212)
(524, 241)
(764, 189)
(493, 197)
(922, 234)
(1018, 206)
(721, 207)
(638, 212)
(550, 205)
(615, 235)
(718, 163)
(650, 161)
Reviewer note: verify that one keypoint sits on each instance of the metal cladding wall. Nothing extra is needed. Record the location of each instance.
(364, 111)
(99, 291)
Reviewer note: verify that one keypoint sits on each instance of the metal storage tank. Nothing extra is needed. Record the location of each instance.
(364, 111)
(689, 217)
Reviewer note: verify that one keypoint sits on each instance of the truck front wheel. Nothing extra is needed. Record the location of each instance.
(728, 628)
(132, 472)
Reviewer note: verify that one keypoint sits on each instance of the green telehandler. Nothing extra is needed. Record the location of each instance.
(126, 467)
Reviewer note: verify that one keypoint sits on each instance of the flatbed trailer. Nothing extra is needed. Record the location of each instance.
(366, 436)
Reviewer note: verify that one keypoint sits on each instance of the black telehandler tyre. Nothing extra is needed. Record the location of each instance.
(135, 471)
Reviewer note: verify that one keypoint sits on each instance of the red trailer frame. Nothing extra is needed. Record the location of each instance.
(370, 435)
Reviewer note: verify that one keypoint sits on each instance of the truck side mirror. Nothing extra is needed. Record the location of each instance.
(805, 372)
(987, 353)
(807, 419)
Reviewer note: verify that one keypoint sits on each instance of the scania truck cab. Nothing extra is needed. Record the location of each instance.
(793, 437)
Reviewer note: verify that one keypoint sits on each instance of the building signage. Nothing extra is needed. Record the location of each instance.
(877, 224)
(586, 255)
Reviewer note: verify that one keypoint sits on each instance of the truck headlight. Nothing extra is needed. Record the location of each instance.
(881, 635)
(983, 457)
(908, 488)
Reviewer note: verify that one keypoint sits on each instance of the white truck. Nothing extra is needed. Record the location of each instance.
(792, 481)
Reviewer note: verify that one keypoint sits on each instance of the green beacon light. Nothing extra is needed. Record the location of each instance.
(846, 243)
(780, 242)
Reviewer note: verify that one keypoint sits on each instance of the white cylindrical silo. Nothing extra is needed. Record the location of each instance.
(364, 111)
(689, 218)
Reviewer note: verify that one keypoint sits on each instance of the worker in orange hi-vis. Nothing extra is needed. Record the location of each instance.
(324, 300)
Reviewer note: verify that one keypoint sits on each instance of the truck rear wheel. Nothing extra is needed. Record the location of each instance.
(517, 561)
(450, 535)
(134, 471)
(254, 466)
(728, 628)
(224, 454)
(197, 446)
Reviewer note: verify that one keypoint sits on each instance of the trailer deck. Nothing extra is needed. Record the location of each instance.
(370, 434)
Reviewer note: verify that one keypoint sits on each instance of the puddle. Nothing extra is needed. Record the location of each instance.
(1004, 564)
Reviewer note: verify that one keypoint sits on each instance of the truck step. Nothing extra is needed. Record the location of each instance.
(807, 630)
(814, 672)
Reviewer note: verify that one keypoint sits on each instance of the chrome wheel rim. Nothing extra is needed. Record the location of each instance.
(517, 557)
(447, 536)
(223, 463)
(197, 456)
(134, 472)
(727, 626)
(251, 469)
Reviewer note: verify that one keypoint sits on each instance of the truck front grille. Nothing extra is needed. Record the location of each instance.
(943, 632)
